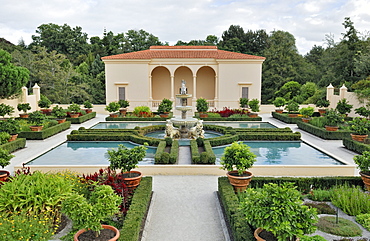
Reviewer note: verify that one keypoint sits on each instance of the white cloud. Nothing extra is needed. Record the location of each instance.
(307, 20)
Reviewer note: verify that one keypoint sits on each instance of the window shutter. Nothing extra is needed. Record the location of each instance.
(245, 91)
(121, 93)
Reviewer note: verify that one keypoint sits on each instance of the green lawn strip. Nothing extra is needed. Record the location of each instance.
(344, 227)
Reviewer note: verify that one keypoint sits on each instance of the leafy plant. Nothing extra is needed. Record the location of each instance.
(142, 111)
(124, 158)
(165, 106)
(307, 111)
(89, 213)
(6, 110)
(112, 107)
(10, 126)
(343, 107)
(243, 102)
(123, 103)
(352, 200)
(5, 158)
(292, 106)
(364, 111)
(332, 117)
(254, 105)
(364, 220)
(59, 112)
(320, 195)
(322, 103)
(74, 108)
(238, 156)
(4, 137)
(37, 118)
(359, 126)
(202, 105)
(87, 104)
(363, 162)
(279, 102)
(23, 107)
(278, 209)
(44, 102)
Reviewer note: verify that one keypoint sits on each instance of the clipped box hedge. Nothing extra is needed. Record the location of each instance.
(322, 132)
(285, 118)
(355, 146)
(162, 157)
(136, 215)
(82, 118)
(12, 146)
(207, 157)
(45, 133)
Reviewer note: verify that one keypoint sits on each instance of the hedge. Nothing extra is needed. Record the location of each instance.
(239, 228)
(195, 155)
(355, 146)
(82, 118)
(162, 157)
(135, 119)
(322, 132)
(285, 118)
(45, 133)
(12, 146)
(174, 153)
(136, 215)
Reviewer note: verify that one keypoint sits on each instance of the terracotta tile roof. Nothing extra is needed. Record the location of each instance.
(183, 52)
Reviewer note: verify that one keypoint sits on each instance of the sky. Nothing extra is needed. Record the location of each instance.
(170, 20)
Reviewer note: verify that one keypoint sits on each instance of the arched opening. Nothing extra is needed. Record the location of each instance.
(183, 73)
(206, 83)
(161, 83)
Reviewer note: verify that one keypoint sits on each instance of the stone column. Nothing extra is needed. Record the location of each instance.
(24, 94)
(36, 92)
(172, 88)
(330, 94)
(343, 92)
(194, 87)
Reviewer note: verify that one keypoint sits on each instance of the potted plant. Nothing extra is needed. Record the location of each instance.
(360, 128)
(202, 107)
(292, 107)
(37, 118)
(243, 103)
(123, 106)
(255, 107)
(279, 102)
(165, 107)
(74, 110)
(6, 110)
(322, 104)
(237, 158)
(278, 209)
(332, 118)
(88, 106)
(60, 113)
(5, 158)
(306, 112)
(343, 107)
(126, 160)
(87, 214)
(112, 107)
(44, 103)
(363, 163)
(364, 111)
(23, 107)
(10, 126)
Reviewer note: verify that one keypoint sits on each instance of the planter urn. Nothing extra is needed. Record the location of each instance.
(132, 182)
(306, 120)
(359, 138)
(239, 183)
(203, 115)
(24, 115)
(115, 230)
(36, 128)
(366, 179)
(114, 115)
(13, 137)
(322, 111)
(280, 111)
(61, 120)
(74, 115)
(293, 115)
(123, 111)
(4, 175)
(331, 128)
(253, 115)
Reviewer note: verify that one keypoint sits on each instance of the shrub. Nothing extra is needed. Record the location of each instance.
(352, 200)
(279, 102)
(243, 102)
(6, 110)
(322, 103)
(292, 106)
(238, 156)
(37, 118)
(364, 220)
(142, 111)
(4, 137)
(254, 105)
(165, 106)
(307, 112)
(74, 108)
(343, 107)
(44, 102)
(320, 195)
(87, 104)
(23, 107)
(5, 158)
(123, 103)
(202, 105)
(112, 107)
(344, 227)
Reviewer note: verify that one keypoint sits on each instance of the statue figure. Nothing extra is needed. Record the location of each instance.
(197, 131)
(183, 89)
(171, 131)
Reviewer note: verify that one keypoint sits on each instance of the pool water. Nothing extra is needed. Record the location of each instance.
(284, 153)
(242, 124)
(125, 124)
(87, 153)
(160, 134)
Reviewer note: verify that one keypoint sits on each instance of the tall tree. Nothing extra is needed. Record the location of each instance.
(139, 40)
(12, 78)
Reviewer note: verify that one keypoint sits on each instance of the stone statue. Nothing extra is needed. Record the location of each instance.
(197, 131)
(171, 131)
(183, 89)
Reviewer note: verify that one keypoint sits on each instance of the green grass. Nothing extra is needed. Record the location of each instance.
(322, 208)
(344, 227)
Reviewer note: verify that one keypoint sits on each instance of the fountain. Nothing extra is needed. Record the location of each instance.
(188, 127)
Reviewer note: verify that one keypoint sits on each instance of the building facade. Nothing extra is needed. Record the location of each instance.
(146, 77)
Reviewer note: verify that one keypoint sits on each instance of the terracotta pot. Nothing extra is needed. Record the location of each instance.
(322, 111)
(46, 111)
(4, 175)
(75, 237)
(24, 115)
(253, 115)
(74, 115)
(293, 115)
(239, 183)
(36, 128)
(331, 128)
(61, 120)
(13, 137)
(132, 182)
(360, 138)
(366, 179)
(114, 115)
(123, 111)
(257, 233)
(306, 120)
(164, 115)
(279, 111)
(88, 111)
(203, 115)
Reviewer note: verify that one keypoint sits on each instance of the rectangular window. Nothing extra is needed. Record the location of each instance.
(245, 91)
(122, 93)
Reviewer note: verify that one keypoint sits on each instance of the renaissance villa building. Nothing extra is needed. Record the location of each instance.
(146, 77)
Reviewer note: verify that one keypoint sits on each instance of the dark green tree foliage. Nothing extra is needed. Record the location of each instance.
(12, 78)
(139, 40)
